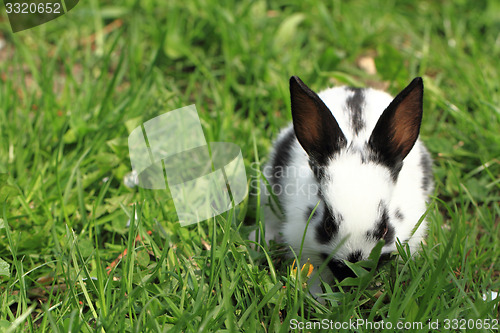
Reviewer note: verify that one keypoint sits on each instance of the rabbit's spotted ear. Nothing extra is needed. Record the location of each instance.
(315, 127)
(397, 128)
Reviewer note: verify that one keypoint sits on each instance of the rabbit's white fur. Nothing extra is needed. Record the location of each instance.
(356, 189)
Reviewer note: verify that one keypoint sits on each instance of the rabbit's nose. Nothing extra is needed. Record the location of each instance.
(338, 268)
(355, 256)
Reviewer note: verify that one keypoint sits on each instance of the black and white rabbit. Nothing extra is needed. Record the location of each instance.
(356, 152)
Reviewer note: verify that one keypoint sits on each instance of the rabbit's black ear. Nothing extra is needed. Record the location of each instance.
(397, 128)
(315, 127)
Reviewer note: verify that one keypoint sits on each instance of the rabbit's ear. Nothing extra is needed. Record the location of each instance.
(397, 128)
(315, 127)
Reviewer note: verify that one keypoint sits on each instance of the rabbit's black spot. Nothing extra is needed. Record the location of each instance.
(355, 106)
(395, 169)
(282, 157)
(318, 170)
(426, 164)
(394, 166)
(310, 211)
(383, 229)
(399, 215)
(327, 229)
(355, 256)
(338, 268)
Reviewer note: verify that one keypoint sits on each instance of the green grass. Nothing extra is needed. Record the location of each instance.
(73, 89)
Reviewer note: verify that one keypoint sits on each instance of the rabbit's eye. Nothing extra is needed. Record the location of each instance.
(386, 229)
(380, 231)
(383, 229)
(327, 229)
(388, 234)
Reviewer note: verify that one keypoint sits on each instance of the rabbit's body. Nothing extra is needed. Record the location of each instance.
(368, 184)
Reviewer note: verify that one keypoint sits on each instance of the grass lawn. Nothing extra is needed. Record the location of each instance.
(72, 90)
